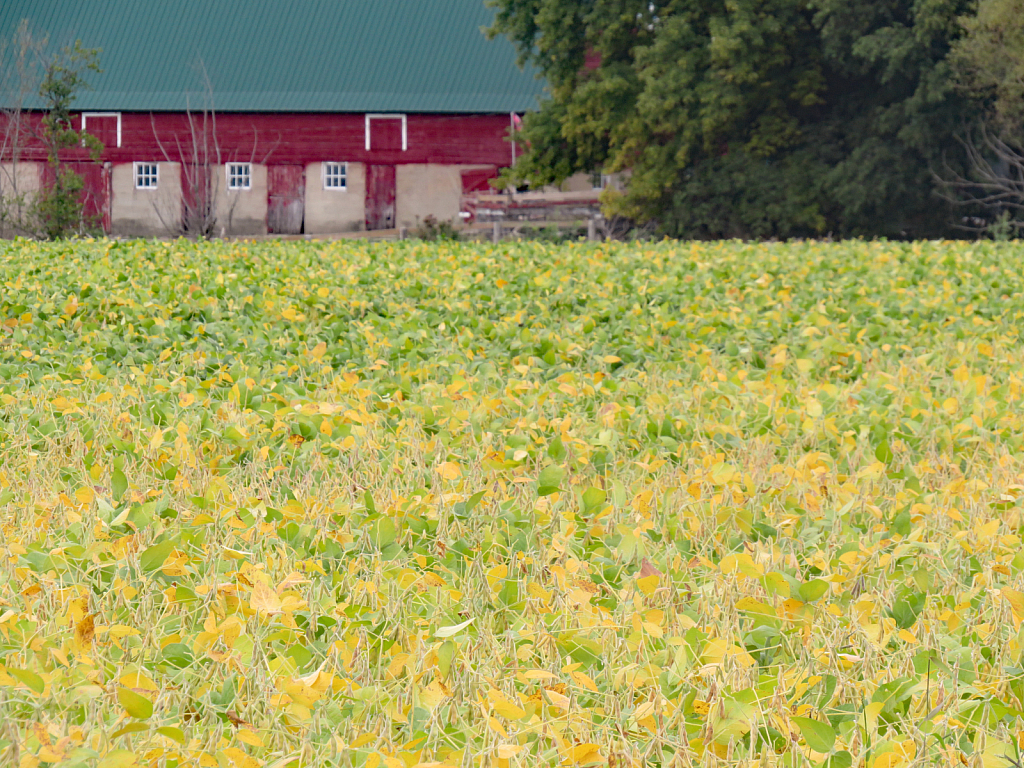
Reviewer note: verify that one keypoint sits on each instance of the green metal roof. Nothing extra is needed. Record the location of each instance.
(286, 55)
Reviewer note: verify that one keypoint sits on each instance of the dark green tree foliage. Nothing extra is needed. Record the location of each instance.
(59, 206)
(749, 118)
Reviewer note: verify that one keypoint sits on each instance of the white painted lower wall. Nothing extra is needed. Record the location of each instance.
(421, 190)
(242, 211)
(335, 210)
(19, 185)
(429, 190)
(145, 212)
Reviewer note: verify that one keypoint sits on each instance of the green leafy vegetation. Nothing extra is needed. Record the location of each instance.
(410, 504)
(60, 208)
(750, 119)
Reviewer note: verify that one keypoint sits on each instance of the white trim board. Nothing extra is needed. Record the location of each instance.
(388, 116)
(104, 114)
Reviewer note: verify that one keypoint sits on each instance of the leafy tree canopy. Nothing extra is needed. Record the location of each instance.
(989, 60)
(750, 118)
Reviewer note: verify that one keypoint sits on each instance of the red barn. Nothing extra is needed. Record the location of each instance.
(307, 116)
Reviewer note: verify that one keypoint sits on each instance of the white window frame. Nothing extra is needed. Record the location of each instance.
(87, 115)
(605, 181)
(135, 175)
(247, 175)
(388, 116)
(324, 166)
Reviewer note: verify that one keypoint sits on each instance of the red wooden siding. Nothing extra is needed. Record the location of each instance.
(380, 196)
(297, 139)
(95, 190)
(478, 180)
(103, 128)
(385, 134)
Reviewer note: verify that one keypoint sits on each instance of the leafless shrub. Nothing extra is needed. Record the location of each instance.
(202, 159)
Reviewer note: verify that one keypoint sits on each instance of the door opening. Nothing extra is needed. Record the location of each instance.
(380, 197)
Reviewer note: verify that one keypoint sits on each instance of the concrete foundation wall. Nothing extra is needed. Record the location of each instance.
(335, 210)
(145, 212)
(242, 211)
(19, 185)
(24, 177)
(429, 190)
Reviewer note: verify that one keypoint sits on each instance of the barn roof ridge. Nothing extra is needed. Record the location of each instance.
(286, 55)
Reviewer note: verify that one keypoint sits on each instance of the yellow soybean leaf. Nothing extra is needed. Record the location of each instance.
(118, 758)
(586, 754)
(1015, 599)
(248, 737)
(557, 699)
(584, 680)
(264, 600)
(648, 584)
(506, 708)
(238, 759)
(137, 680)
(449, 470)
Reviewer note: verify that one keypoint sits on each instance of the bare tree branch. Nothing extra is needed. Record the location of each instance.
(995, 183)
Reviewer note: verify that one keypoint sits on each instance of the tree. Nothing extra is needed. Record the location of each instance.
(60, 208)
(750, 118)
(988, 63)
(20, 76)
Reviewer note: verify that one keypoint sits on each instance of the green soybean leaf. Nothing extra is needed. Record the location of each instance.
(883, 452)
(118, 484)
(172, 733)
(549, 480)
(811, 590)
(819, 736)
(841, 759)
(135, 704)
(129, 729)
(155, 556)
(31, 679)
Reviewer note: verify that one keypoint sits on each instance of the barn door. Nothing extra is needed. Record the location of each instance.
(380, 197)
(286, 186)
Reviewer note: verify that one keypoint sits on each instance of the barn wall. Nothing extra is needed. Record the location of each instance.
(25, 178)
(578, 182)
(427, 183)
(302, 138)
(429, 190)
(331, 210)
(243, 211)
(145, 212)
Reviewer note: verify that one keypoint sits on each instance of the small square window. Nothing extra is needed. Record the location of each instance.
(599, 180)
(239, 175)
(146, 175)
(336, 176)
